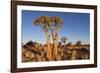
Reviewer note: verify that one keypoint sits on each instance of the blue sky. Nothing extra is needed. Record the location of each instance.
(76, 26)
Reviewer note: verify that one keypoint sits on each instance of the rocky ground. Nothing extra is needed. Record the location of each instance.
(35, 52)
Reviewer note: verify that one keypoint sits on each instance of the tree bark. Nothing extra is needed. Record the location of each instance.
(49, 51)
(55, 42)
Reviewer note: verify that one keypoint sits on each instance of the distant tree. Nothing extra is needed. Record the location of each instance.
(78, 43)
(64, 40)
(60, 43)
(70, 43)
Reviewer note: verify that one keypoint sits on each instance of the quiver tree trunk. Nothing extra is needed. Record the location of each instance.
(49, 50)
(55, 42)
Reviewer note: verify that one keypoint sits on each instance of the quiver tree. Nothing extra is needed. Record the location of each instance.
(52, 24)
(44, 23)
(56, 24)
